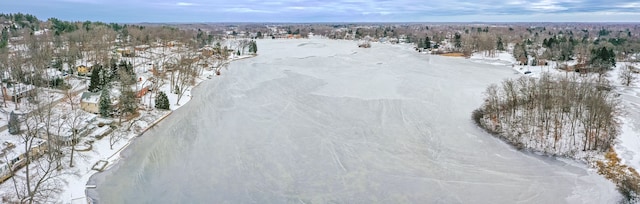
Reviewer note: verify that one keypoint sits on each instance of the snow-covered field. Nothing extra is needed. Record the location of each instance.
(321, 121)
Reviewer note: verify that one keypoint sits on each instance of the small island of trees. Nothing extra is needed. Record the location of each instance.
(565, 116)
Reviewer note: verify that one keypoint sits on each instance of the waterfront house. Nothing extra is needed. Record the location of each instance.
(15, 92)
(90, 102)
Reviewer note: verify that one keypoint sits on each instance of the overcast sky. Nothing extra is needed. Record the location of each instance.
(133, 11)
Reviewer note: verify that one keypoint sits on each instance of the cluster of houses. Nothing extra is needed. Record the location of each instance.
(273, 32)
(68, 125)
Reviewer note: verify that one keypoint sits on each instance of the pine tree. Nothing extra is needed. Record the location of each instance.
(105, 103)
(105, 76)
(162, 102)
(130, 68)
(516, 51)
(253, 47)
(94, 84)
(500, 45)
(14, 124)
(4, 38)
(427, 42)
(128, 101)
(603, 58)
(457, 40)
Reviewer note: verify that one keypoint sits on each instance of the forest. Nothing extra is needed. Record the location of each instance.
(557, 115)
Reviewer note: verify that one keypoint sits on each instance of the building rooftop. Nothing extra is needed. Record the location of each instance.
(90, 97)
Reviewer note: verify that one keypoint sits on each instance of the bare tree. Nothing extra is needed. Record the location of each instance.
(627, 75)
(487, 44)
(219, 59)
(118, 134)
(185, 76)
(73, 120)
(243, 44)
(40, 178)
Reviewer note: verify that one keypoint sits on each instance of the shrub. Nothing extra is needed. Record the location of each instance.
(477, 115)
(162, 101)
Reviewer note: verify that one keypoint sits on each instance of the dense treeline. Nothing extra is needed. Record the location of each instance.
(529, 43)
(22, 20)
(554, 115)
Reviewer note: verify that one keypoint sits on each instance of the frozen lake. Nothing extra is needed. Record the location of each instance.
(322, 121)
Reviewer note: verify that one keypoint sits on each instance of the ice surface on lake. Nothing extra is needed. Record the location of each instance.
(322, 121)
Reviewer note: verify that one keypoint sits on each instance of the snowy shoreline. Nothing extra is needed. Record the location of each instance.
(115, 157)
(620, 162)
(314, 117)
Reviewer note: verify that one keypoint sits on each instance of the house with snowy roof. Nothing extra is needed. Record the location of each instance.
(14, 92)
(67, 126)
(90, 102)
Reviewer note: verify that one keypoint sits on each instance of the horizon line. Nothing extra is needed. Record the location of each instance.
(387, 22)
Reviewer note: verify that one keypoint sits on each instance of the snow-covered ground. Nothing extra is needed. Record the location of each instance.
(501, 58)
(72, 181)
(74, 190)
(628, 142)
(628, 145)
(321, 121)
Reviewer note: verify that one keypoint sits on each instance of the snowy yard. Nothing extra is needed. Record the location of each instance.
(102, 145)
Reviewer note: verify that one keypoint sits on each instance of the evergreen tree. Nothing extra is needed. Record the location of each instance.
(105, 76)
(128, 101)
(105, 103)
(162, 102)
(427, 42)
(457, 40)
(500, 45)
(602, 58)
(4, 38)
(253, 47)
(525, 54)
(520, 53)
(94, 83)
(14, 124)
